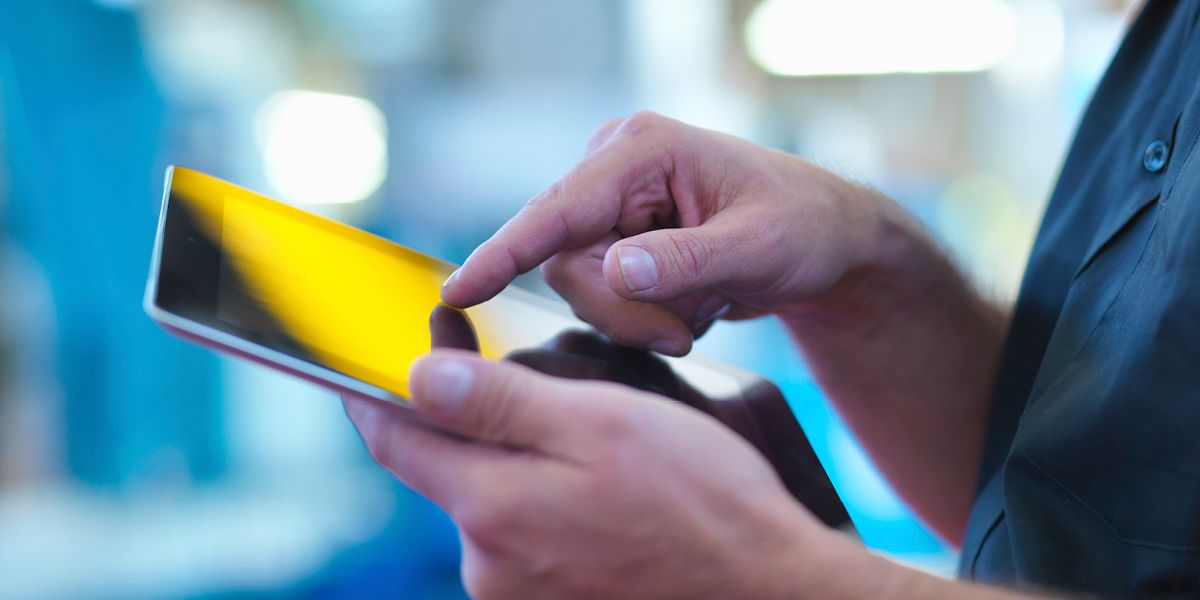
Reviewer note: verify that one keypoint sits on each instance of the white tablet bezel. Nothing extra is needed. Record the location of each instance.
(227, 342)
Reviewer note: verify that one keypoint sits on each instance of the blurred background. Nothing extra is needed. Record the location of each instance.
(133, 465)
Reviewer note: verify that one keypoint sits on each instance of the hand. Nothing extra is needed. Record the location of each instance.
(663, 228)
(758, 412)
(587, 489)
(571, 489)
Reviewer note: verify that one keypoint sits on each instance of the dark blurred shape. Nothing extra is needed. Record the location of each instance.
(450, 328)
(760, 414)
(582, 354)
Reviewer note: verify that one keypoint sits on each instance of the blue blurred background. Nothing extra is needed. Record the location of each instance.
(135, 466)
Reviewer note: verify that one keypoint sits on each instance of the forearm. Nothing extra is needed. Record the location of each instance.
(907, 351)
(900, 582)
(829, 565)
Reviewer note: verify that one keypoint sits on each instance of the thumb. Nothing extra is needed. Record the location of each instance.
(497, 402)
(667, 264)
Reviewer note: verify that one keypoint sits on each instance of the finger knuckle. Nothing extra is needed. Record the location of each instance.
(555, 273)
(484, 581)
(502, 409)
(619, 331)
(617, 424)
(687, 254)
(642, 122)
(552, 191)
(475, 579)
(548, 203)
(604, 131)
(617, 454)
(482, 522)
(379, 446)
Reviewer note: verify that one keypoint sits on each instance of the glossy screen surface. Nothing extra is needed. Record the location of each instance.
(294, 282)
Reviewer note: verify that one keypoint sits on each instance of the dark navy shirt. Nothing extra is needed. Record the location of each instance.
(1090, 478)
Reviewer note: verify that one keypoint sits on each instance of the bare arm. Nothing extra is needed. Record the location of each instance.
(907, 351)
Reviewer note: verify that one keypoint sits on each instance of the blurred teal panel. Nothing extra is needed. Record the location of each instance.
(764, 346)
(86, 129)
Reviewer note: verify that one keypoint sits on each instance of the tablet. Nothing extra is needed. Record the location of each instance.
(266, 281)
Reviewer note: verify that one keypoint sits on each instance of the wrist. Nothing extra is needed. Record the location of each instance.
(824, 563)
(888, 260)
(827, 565)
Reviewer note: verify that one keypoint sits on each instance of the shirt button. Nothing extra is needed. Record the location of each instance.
(1155, 157)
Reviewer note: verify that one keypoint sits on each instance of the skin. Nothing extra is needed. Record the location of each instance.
(587, 489)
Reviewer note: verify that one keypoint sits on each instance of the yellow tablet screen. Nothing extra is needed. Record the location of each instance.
(297, 282)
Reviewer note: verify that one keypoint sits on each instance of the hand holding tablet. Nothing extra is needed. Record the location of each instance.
(262, 280)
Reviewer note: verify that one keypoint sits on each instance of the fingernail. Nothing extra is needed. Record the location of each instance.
(638, 268)
(451, 278)
(668, 347)
(447, 385)
(712, 309)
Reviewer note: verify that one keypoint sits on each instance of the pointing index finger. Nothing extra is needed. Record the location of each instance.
(579, 209)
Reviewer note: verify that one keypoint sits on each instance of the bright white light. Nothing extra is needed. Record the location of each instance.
(322, 148)
(1035, 63)
(871, 37)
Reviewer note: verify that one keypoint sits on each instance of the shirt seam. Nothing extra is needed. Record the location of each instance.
(983, 540)
(1120, 537)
